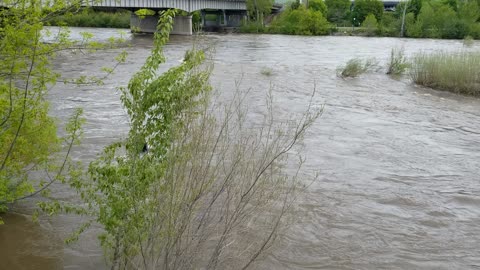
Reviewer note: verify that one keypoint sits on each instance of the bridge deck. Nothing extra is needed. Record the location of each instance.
(186, 5)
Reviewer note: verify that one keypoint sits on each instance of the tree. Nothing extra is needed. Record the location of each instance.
(258, 9)
(370, 24)
(29, 146)
(413, 6)
(362, 8)
(187, 184)
(318, 5)
(337, 10)
(301, 21)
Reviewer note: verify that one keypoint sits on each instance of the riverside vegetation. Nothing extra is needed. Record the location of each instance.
(87, 17)
(192, 184)
(454, 71)
(415, 18)
(32, 155)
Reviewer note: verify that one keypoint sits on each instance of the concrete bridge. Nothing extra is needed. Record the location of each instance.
(185, 5)
(228, 12)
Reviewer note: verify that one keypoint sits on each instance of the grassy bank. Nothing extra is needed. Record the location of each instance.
(457, 72)
(91, 18)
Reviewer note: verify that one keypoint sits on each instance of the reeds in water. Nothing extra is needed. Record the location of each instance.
(455, 72)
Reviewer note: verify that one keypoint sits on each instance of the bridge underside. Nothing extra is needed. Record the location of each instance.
(182, 25)
(186, 5)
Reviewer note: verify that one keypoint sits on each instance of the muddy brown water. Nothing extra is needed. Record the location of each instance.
(399, 165)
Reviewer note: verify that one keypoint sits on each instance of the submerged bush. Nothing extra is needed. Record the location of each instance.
(398, 62)
(455, 72)
(355, 67)
(266, 71)
(468, 41)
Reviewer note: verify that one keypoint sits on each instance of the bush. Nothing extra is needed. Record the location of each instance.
(370, 25)
(337, 10)
(318, 5)
(398, 62)
(468, 41)
(362, 8)
(90, 18)
(356, 67)
(300, 21)
(455, 72)
(265, 71)
(252, 27)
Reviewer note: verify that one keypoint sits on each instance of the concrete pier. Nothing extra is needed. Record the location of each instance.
(182, 25)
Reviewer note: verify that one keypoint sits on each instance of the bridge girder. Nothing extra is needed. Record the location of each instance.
(186, 5)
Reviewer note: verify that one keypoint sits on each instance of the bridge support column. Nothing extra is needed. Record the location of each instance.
(203, 23)
(235, 18)
(182, 25)
(224, 14)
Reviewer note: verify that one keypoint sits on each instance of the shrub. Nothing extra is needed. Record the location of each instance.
(356, 67)
(468, 41)
(89, 18)
(370, 24)
(252, 27)
(266, 71)
(318, 5)
(300, 21)
(337, 10)
(398, 62)
(455, 72)
(362, 8)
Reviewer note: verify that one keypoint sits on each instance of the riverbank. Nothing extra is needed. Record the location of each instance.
(94, 18)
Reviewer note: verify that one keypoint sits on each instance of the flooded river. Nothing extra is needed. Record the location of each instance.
(399, 165)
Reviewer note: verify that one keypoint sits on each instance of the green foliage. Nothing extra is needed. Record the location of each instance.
(398, 62)
(318, 5)
(295, 4)
(455, 72)
(258, 9)
(252, 27)
(442, 20)
(413, 6)
(196, 21)
(145, 12)
(362, 8)
(355, 67)
(29, 145)
(90, 18)
(28, 137)
(337, 10)
(389, 26)
(120, 183)
(370, 25)
(300, 21)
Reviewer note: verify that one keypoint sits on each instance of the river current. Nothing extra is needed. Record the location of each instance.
(399, 165)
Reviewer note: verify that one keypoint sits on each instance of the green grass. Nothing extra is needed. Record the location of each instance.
(355, 67)
(398, 62)
(455, 72)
